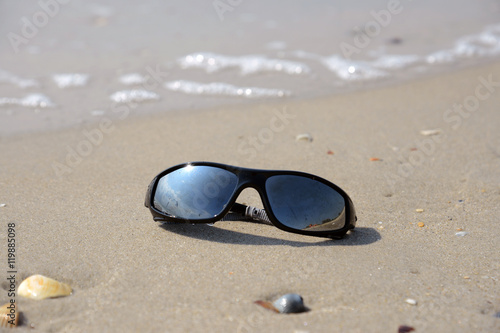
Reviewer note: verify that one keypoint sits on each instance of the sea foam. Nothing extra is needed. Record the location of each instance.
(221, 88)
(7, 77)
(31, 100)
(249, 64)
(135, 95)
(70, 80)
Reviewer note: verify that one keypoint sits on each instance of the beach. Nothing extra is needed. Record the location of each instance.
(89, 228)
(103, 97)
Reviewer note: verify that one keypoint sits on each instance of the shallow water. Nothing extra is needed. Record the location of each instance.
(64, 62)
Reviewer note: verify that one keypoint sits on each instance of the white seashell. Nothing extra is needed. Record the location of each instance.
(304, 137)
(41, 287)
(430, 132)
(411, 301)
(9, 315)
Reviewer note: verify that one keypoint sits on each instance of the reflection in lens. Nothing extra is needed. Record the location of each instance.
(195, 192)
(303, 203)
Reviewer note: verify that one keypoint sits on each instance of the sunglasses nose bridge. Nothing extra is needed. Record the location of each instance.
(254, 180)
(251, 185)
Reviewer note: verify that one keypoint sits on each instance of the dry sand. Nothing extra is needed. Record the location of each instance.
(89, 227)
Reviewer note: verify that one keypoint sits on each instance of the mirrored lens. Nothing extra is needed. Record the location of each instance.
(195, 192)
(305, 204)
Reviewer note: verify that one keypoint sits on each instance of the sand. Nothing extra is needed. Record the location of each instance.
(88, 225)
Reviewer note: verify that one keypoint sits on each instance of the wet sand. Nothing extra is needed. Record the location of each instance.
(87, 226)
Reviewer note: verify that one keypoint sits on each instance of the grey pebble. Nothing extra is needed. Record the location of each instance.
(290, 303)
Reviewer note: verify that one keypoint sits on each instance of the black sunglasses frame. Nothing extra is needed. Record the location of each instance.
(254, 178)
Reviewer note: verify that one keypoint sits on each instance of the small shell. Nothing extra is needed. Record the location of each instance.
(304, 137)
(411, 301)
(430, 132)
(290, 303)
(40, 287)
(405, 329)
(9, 316)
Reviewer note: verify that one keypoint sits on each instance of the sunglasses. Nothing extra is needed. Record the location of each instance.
(204, 192)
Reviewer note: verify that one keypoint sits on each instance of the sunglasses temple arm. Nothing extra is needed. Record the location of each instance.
(251, 212)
